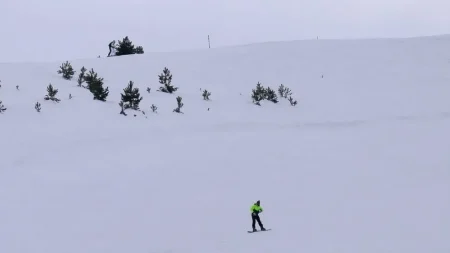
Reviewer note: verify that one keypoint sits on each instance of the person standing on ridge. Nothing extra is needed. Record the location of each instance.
(256, 209)
(111, 46)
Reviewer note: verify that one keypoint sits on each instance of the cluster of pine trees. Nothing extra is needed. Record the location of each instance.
(130, 98)
(125, 47)
(94, 83)
(261, 93)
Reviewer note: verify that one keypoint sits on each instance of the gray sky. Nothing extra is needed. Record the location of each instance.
(47, 30)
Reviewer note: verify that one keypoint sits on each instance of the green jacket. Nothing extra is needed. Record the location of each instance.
(256, 209)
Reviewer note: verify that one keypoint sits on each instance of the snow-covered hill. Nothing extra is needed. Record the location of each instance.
(360, 164)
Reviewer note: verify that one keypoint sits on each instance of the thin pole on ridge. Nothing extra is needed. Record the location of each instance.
(209, 42)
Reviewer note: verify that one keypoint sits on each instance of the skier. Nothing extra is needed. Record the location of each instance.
(256, 209)
(111, 46)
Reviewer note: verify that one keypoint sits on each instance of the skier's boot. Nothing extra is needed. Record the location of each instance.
(263, 229)
(254, 230)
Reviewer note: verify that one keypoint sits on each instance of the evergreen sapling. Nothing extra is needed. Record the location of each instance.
(122, 110)
(271, 95)
(131, 97)
(2, 107)
(125, 47)
(90, 77)
(180, 104)
(139, 50)
(166, 80)
(37, 106)
(284, 91)
(154, 108)
(292, 101)
(258, 94)
(51, 94)
(206, 95)
(81, 76)
(95, 86)
(66, 70)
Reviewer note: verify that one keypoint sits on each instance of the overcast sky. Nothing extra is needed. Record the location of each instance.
(47, 30)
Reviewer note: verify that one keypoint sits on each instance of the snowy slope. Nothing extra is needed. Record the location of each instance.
(361, 164)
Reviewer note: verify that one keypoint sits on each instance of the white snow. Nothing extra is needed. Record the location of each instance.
(361, 164)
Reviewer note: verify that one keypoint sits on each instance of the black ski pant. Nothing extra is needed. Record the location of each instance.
(255, 217)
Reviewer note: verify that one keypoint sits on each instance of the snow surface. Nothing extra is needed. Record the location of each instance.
(361, 164)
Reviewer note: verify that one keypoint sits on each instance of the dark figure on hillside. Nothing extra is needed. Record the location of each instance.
(111, 46)
(256, 209)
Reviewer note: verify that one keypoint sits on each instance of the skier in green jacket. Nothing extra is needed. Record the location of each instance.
(255, 210)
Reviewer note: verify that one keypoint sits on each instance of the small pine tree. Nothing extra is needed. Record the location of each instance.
(125, 47)
(37, 106)
(96, 88)
(148, 89)
(180, 104)
(271, 95)
(281, 90)
(292, 101)
(258, 94)
(131, 97)
(2, 107)
(284, 91)
(166, 79)
(154, 108)
(90, 77)
(139, 50)
(122, 109)
(206, 95)
(66, 70)
(81, 76)
(51, 94)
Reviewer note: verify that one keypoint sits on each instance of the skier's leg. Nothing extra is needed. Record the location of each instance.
(253, 222)
(260, 223)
